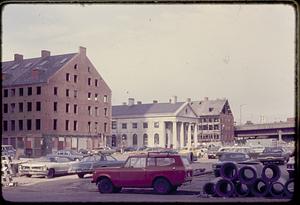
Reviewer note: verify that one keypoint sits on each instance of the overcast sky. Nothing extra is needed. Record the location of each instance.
(244, 53)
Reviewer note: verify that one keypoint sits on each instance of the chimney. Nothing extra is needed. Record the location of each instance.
(130, 101)
(188, 100)
(18, 57)
(205, 98)
(139, 102)
(155, 101)
(174, 99)
(45, 53)
(82, 50)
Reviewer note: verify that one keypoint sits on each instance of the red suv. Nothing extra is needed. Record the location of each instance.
(162, 171)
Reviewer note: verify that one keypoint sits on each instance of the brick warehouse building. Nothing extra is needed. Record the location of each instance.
(54, 102)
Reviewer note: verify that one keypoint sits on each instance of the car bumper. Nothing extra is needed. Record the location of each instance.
(33, 172)
(74, 171)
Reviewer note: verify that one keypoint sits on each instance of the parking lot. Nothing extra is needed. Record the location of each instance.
(73, 189)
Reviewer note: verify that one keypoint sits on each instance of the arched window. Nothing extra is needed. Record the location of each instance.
(156, 139)
(134, 139)
(145, 139)
(113, 140)
(124, 137)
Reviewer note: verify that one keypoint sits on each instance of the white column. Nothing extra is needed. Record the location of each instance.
(189, 136)
(174, 134)
(279, 135)
(164, 134)
(196, 135)
(181, 142)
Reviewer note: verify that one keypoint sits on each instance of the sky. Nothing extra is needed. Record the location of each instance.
(244, 53)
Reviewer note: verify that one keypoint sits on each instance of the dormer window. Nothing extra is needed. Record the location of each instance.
(210, 109)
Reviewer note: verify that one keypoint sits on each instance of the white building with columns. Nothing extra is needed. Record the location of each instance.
(172, 124)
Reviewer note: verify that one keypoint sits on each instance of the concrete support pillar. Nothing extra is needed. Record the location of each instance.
(181, 141)
(196, 135)
(279, 135)
(189, 136)
(175, 142)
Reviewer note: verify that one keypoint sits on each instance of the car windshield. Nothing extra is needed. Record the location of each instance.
(234, 157)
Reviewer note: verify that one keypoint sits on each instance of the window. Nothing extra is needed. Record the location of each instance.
(156, 124)
(89, 81)
(75, 78)
(28, 124)
(114, 125)
(145, 139)
(89, 126)
(5, 108)
(20, 125)
(54, 124)
(96, 111)
(124, 137)
(89, 110)
(164, 161)
(210, 109)
(5, 125)
(210, 127)
(12, 107)
(89, 96)
(75, 66)
(124, 125)
(55, 90)
(216, 127)
(151, 161)
(38, 90)
(96, 82)
(105, 99)
(105, 111)
(105, 127)
(200, 127)
(209, 119)
(21, 91)
(55, 106)
(145, 125)
(75, 93)
(12, 92)
(67, 125)
(96, 126)
(89, 69)
(134, 125)
(96, 97)
(38, 106)
(12, 125)
(75, 125)
(134, 139)
(216, 119)
(136, 162)
(67, 107)
(67, 76)
(5, 93)
(205, 127)
(67, 92)
(29, 106)
(29, 91)
(204, 119)
(38, 124)
(75, 109)
(156, 139)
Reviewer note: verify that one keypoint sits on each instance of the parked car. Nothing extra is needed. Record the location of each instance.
(274, 155)
(88, 164)
(212, 152)
(230, 157)
(46, 166)
(290, 167)
(162, 171)
(241, 149)
(103, 150)
(71, 154)
(8, 150)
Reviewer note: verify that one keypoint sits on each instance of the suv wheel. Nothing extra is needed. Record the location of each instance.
(80, 175)
(51, 173)
(105, 186)
(162, 186)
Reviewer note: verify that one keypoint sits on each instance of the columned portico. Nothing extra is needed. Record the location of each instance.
(189, 136)
(181, 142)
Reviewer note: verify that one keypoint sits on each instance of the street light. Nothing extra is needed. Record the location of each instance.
(241, 113)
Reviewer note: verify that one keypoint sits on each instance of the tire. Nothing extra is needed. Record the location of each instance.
(117, 189)
(51, 173)
(105, 186)
(76, 159)
(162, 186)
(28, 175)
(80, 175)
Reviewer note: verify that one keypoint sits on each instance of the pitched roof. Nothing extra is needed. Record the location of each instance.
(20, 73)
(145, 109)
(208, 107)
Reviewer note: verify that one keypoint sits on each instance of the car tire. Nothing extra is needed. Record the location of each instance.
(50, 173)
(28, 175)
(161, 186)
(105, 186)
(117, 189)
(76, 159)
(80, 175)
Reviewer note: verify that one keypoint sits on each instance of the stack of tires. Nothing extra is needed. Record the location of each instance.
(245, 180)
